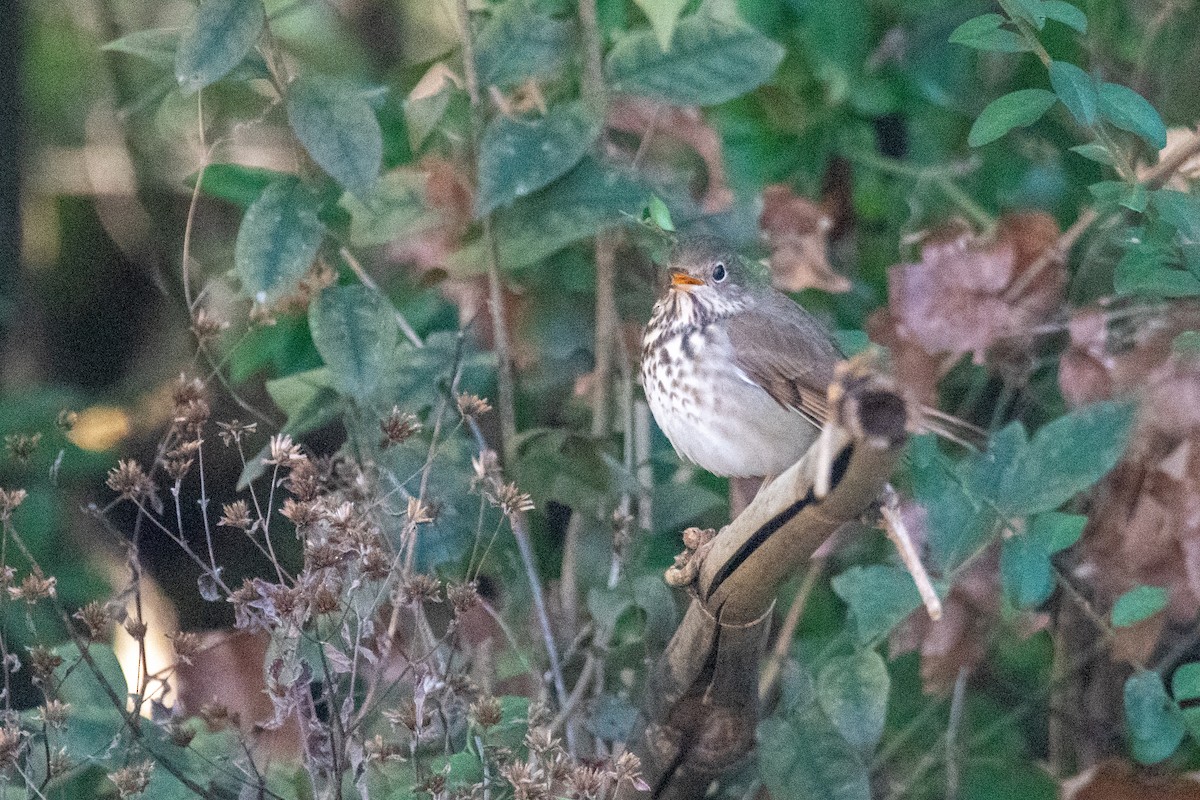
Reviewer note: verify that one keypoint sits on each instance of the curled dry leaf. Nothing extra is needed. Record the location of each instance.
(1145, 527)
(648, 118)
(797, 231)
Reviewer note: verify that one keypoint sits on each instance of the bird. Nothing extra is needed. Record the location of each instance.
(735, 372)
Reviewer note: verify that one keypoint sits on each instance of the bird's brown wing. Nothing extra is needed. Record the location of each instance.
(786, 352)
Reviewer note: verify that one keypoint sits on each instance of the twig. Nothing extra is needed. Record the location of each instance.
(957, 702)
(505, 401)
(369, 282)
(897, 531)
(787, 631)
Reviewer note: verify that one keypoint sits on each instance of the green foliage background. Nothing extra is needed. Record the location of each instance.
(245, 140)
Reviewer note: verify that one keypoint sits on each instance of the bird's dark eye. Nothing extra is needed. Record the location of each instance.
(718, 273)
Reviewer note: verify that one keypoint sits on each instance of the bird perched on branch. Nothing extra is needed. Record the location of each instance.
(735, 372)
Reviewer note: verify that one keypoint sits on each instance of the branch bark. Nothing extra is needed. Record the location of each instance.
(700, 711)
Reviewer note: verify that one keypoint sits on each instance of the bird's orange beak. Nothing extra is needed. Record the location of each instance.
(683, 279)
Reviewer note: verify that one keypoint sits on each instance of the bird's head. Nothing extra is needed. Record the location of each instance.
(711, 273)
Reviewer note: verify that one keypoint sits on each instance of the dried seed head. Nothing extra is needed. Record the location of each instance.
(217, 716)
(397, 427)
(12, 740)
(205, 326)
(418, 512)
(236, 515)
(21, 446)
(187, 646)
(284, 452)
(96, 618)
(136, 628)
(541, 740)
(470, 405)
(588, 783)
(326, 600)
(131, 781)
(34, 588)
(486, 470)
(486, 712)
(42, 663)
(510, 500)
(234, 431)
(628, 769)
(463, 596)
(301, 513)
(66, 420)
(375, 564)
(9, 500)
(304, 481)
(55, 713)
(129, 480)
(421, 589)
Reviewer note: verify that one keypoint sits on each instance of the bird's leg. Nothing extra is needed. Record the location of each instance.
(896, 530)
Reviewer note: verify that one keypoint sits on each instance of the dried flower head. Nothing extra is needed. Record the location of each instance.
(284, 452)
(136, 628)
(42, 663)
(375, 564)
(60, 763)
(628, 769)
(301, 513)
(34, 588)
(588, 783)
(380, 750)
(205, 326)
(66, 420)
(236, 515)
(217, 716)
(421, 589)
(486, 469)
(510, 500)
(463, 596)
(96, 618)
(326, 600)
(187, 645)
(470, 405)
(9, 500)
(21, 446)
(418, 512)
(397, 427)
(527, 781)
(12, 740)
(234, 431)
(132, 780)
(541, 740)
(486, 712)
(129, 480)
(55, 713)
(305, 480)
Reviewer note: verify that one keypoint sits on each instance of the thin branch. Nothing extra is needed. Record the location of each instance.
(409, 332)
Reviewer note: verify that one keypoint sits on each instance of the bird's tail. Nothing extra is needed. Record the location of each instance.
(951, 428)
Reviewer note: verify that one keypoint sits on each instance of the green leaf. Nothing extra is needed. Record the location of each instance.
(1031, 11)
(710, 61)
(1065, 13)
(235, 183)
(95, 721)
(520, 156)
(802, 756)
(1014, 110)
(338, 128)
(663, 16)
(879, 597)
(1185, 685)
(658, 213)
(1153, 720)
(1187, 343)
(1138, 604)
(985, 33)
(1077, 91)
(1131, 112)
(219, 36)
(278, 240)
(1150, 267)
(515, 44)
(853, 692)
(572, 208)
(1025, 565)
(307, 398)
(355, 331)
(1181, 211)
(1066, 457)
(1095, 152)
(155, 45)
(395, 209)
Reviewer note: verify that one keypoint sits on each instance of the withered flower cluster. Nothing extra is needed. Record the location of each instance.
(549, 773)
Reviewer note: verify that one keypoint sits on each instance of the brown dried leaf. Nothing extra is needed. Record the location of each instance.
(955, 299)
(684, 124)
(1114, 779)
(797, 231)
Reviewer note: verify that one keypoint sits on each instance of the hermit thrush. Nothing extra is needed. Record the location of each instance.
(736, 374)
